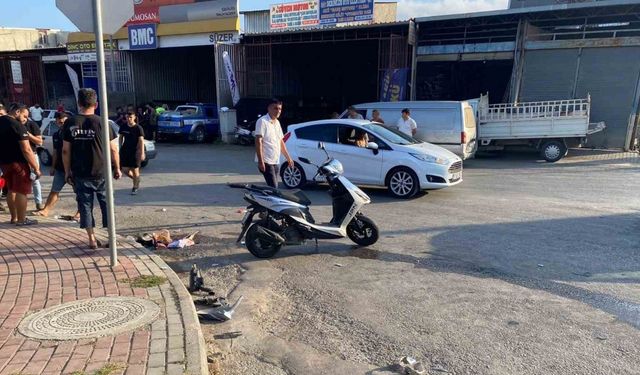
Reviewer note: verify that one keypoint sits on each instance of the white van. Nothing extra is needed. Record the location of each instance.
(448, 124)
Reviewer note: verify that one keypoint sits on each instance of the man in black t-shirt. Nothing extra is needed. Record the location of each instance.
(35, 139)
(17, 162)
(57, 167)
(83, 159)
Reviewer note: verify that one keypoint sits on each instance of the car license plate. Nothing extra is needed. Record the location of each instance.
(456, 176)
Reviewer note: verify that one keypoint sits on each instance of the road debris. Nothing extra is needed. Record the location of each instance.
(221, 313)
(410, 366)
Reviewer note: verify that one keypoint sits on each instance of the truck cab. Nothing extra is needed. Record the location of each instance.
(196, 122)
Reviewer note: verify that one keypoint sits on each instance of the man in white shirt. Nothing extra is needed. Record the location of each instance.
(406, 124)
(36, 114)
(270, 143)
(353, 113)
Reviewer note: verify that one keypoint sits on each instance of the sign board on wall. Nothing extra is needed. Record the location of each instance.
(143, 36)
(294, 15)
(191, 40)
(334, 12)
(168, 11)
(79, 52)
(16, 72)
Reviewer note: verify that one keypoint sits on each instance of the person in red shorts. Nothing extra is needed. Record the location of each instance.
(17, 161)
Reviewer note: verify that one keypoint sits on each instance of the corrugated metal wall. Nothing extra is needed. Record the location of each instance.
(257, 22)
(549, 75)
(174, 75)
(32, 89)
(610, 75)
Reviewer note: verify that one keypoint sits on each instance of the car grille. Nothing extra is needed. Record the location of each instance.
(455, 167)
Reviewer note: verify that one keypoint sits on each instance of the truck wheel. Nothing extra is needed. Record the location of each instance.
(199, 135)
(552, 151)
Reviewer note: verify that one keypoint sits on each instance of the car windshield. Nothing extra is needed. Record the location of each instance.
(187, 110)
(390, 135)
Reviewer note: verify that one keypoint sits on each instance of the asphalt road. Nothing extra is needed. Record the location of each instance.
(526, 267)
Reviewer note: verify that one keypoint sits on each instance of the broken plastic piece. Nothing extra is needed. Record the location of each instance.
(221, 313)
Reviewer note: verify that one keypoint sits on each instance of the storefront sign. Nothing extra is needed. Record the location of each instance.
(143, 37)
(294, 15)
(232, 37)
(334, 12)
(79, 52)
(143, 15)
(16, 72)
(393, 85)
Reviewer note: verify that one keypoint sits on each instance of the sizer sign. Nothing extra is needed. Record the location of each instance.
(143, 37)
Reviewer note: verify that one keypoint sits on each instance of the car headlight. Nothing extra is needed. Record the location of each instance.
(430, 159)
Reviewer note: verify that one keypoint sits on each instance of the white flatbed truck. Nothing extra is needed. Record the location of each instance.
(551, 127)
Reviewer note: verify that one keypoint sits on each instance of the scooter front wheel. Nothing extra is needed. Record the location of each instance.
(259, 247)
(363, 231)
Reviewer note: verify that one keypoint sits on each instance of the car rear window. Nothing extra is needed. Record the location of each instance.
(320, 133)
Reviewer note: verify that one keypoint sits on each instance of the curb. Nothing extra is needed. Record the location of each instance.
(195, 347)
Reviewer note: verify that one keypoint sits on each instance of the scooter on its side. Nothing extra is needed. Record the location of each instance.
(284, 217)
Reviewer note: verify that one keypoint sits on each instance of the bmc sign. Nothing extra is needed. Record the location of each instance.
(143, 37)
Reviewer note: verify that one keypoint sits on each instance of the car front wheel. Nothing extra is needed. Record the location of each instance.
(45, 157)
(403, 183)
(293, 177)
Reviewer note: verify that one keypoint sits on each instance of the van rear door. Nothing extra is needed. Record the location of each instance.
(440, 126)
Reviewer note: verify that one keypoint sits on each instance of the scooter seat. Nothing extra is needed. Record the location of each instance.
(294, 195)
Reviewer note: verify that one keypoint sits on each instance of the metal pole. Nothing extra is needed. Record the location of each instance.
(112, 65)
(106, 139)
(216, 66)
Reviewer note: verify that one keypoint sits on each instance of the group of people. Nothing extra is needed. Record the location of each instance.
(405, 123)
(78, 159)
(147, 117)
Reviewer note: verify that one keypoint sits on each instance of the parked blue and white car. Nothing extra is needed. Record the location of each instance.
(193, 122)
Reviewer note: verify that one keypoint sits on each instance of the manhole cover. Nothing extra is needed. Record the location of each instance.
(97, 317)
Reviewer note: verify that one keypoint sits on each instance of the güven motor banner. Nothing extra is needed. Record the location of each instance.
(294, 15)
(334, 12)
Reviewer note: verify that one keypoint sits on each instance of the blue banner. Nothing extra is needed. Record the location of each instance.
(143, 36)
(333, 12)
(394, 85)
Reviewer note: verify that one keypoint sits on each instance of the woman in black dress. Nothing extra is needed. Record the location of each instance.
(132, 150)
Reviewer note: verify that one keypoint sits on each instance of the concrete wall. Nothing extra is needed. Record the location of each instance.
(28, 39)
(385, 12)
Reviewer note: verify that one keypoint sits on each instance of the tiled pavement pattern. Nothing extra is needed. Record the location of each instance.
(49, 264)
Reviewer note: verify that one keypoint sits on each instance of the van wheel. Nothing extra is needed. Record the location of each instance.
(403, 183)
(552, 151)
(293, 177)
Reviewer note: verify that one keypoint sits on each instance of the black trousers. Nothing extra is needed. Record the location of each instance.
(271, 175)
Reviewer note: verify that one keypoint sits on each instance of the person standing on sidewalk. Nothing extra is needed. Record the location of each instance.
(17, 162)
(3, 112)
(270, 144)
(35, 140)
(36, 114)
(132, 150)
(83, 159)
(57, 168)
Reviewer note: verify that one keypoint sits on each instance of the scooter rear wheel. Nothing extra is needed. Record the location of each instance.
(259, 247)
(363, 231)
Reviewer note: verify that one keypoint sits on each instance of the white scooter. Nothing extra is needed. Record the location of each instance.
(285, 219)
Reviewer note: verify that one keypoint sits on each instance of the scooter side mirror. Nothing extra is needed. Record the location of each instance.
(305, 160)
(321, 145)
(372, 146)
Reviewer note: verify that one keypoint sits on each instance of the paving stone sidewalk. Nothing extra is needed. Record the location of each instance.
(49, 264)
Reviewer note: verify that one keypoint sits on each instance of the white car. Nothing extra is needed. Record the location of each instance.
(391, 159)
(45, 152)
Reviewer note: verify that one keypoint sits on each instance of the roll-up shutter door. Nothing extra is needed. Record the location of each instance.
(610, 75)
(548, 75)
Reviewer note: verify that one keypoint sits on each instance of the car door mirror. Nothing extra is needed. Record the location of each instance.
(372, 146)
